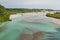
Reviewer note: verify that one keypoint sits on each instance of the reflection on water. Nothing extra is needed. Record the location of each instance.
(31, 24)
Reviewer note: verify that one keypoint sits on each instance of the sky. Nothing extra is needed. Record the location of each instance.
(41, 4)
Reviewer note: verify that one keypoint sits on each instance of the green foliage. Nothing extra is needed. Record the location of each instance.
(55, 15)
(21, 10)
(24, 10)
(4, 15)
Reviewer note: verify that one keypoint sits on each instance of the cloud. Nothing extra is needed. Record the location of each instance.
(31, 3)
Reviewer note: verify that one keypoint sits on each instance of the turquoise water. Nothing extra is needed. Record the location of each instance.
(37, 23)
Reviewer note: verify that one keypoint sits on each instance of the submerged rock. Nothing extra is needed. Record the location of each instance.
(2, 28)
(37, 35)
(34, 36)
(26, 37)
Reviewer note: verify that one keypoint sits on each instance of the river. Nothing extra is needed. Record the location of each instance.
(29, 24)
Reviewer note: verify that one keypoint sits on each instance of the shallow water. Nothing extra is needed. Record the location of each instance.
(29, 24)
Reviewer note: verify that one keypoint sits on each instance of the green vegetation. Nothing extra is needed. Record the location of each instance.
(4, 15)
(24, 10)
(21, 10)
(55, 15)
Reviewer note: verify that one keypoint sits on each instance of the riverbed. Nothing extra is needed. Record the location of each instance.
(27, 23)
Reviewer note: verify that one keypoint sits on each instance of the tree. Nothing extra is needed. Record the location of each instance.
(4, 15)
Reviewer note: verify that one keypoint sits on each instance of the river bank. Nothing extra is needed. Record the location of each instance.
(56, 21)
(22, 14)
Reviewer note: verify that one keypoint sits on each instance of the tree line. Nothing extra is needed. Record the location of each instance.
(24, 10)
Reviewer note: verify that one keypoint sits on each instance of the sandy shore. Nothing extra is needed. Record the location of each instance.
(21, 14)
(14, 16)
(56, 21)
